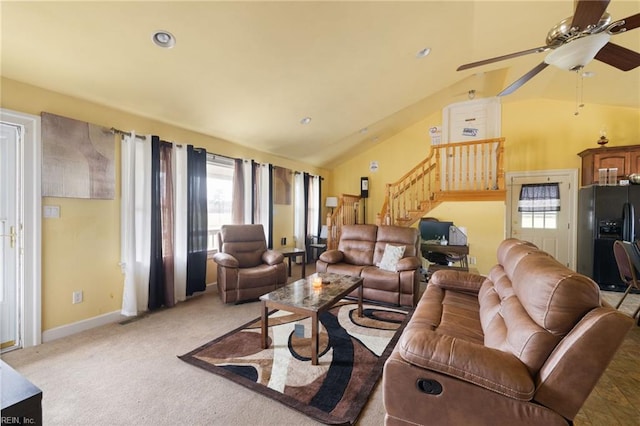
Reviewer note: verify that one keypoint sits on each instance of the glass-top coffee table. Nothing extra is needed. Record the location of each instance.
(304, 298)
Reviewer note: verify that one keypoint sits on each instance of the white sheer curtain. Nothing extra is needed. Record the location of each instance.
(299, 232)
(180, 221)
(135, 227)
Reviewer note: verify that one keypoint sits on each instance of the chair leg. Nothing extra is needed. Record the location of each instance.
(623, 296)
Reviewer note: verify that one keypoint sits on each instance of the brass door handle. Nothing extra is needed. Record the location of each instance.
(11, 235)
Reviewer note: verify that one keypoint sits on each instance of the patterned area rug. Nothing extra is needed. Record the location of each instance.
(352, 353)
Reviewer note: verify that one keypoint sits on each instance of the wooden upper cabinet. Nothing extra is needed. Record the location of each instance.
(625, 158)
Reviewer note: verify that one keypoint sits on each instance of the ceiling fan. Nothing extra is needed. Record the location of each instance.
(576, 41)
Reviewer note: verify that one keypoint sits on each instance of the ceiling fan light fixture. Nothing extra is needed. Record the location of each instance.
(577, 53)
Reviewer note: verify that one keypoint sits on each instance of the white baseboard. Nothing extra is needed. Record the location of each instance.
(88, 324)
(77, 327)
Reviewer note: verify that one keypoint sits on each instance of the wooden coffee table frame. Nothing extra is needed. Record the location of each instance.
(313, 310)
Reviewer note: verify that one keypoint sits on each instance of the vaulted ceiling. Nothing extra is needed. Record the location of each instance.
(249, 72)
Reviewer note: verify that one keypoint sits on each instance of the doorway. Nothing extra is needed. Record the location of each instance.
(552, 231)
(20, 204)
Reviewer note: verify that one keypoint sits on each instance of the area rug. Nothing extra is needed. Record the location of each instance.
(352, 353)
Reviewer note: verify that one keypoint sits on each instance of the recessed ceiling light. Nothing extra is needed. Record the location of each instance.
(305, 120)
(164, 39)
(364, 130)
(424, 52)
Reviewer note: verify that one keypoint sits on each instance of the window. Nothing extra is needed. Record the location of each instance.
(539, 220)
(219, 195)
(539, 205)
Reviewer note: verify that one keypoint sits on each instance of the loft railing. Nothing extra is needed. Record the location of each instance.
(454, 172)
(466, 171)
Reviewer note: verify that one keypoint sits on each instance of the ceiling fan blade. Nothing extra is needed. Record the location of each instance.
(522, 80)
(630, 23)
(502, 58)
(588, 12)
(618, 57)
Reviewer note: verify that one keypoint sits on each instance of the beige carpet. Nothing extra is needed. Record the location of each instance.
(130, 374)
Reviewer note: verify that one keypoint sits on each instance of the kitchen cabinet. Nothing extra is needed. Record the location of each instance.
(625, 158)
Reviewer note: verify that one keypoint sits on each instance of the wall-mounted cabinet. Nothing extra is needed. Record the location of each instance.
(625, 158)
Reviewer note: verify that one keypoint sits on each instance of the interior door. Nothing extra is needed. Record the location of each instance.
(9, 278)
(550, 231)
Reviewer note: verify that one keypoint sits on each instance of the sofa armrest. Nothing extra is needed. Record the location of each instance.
(492, 369)
(408, 264)
(272, 257)
(332, 256)
(226, 260)
(457, 280)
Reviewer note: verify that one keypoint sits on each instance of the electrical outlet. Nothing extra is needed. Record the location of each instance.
(77, 297)
(283, 241)
(472, 260)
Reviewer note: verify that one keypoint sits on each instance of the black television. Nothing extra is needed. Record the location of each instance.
(431, 230)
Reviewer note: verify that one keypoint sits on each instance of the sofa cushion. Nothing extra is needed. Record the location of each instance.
(357, 243)
(392, 254)
(345, 269)
(554, 297)
(396, 235)
(530, 302)
(244, 242)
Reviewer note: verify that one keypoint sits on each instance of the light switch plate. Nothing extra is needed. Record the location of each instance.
(51, 212)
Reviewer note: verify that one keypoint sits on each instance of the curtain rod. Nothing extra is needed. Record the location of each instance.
(122, 132)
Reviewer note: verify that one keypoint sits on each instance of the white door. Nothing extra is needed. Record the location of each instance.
(10, 278)
(550, 231)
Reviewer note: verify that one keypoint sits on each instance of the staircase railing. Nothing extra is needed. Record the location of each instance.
(348, 212)
(456, 171)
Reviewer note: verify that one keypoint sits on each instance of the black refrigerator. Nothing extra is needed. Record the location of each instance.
(605, 214)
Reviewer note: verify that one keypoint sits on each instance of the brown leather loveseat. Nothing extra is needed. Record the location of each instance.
(525, 345)
(360, 251)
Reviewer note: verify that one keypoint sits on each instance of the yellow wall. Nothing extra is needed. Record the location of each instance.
(540, 134)
(81, 249)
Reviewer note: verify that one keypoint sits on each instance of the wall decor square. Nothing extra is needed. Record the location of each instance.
(77, 159)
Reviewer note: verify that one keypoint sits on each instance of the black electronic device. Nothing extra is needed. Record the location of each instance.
(364, 187)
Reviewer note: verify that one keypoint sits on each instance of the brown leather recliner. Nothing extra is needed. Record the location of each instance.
(523, 346)
(246, 268)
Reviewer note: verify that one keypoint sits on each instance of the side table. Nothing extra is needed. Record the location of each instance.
(292, 253)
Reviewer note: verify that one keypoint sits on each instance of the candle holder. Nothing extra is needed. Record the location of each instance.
(316, 283)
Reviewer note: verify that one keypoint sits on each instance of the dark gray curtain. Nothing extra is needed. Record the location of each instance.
(237, 199)
(156, 272)
(196, 219)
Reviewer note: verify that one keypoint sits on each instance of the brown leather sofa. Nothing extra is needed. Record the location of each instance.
(246, 268)
(525, 345)
(361, 248)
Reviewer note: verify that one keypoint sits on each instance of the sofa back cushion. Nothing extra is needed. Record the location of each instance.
(396, 236)
(244, 242)
(530, 302)
(357, 243)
